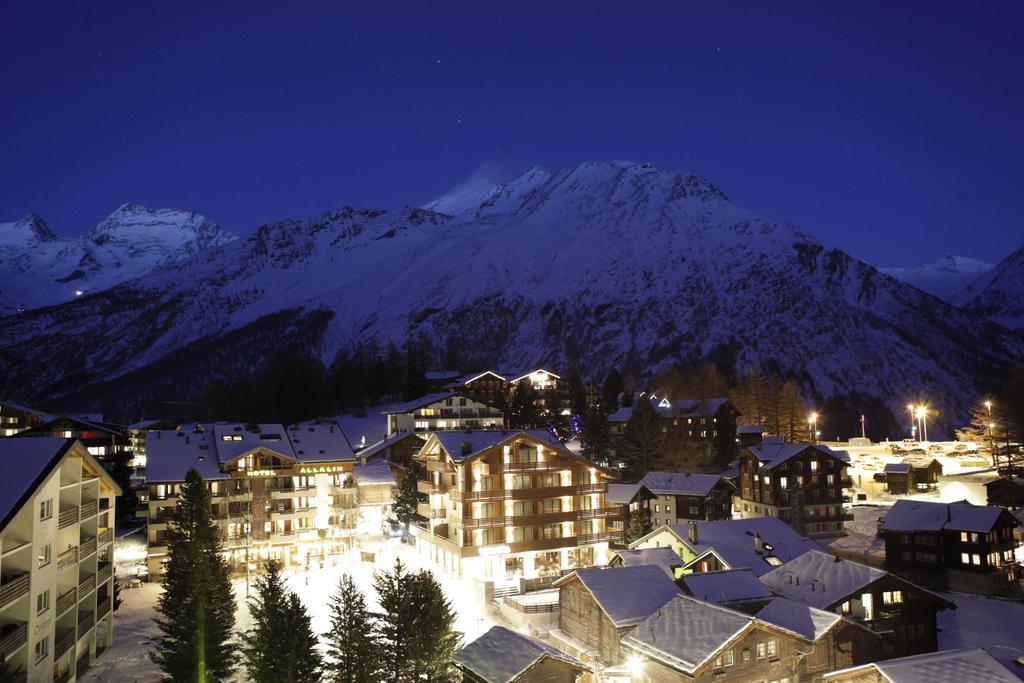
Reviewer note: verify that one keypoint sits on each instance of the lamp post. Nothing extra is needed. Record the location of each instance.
(812, 426)
(913, 421)
(991, 425)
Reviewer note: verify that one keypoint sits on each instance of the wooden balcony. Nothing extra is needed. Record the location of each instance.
(547, 466)
(67, 517)
(104, 573)
(14, 589)
(600, 513)
(484, 522)
(541, 518)
(542, 492)
(14, 640)
(89, 509)
(87, 548)
(106, 536)
(587, 539)
(591, 488)
(67, 558)
(67, 601)
(87, 585)
(65, 641)
(494, 494)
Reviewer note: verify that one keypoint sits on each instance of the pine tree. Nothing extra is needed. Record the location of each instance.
(351, 651)
(594, 439)
(407, 496)
(638, 524)
(197, 607)
(434, 639)
(577, 401)
(281, 645)
(393, 632)
(611, 390)
(557, 422)
(642, 440)
(524, 413)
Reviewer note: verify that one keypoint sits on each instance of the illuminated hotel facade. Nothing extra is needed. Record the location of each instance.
(277, 492)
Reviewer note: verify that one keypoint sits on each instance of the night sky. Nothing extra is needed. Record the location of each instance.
(890, 130)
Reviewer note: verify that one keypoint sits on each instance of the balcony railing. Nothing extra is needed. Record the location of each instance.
(87, 585)
(429, 487)
(13, 589)
(601, 513)
(494, 494)
(66, 601)
(85, 622)
(546, 466)
(591, 488)
(67, 517)
(87, 548)
(103, 608)
(89, 509)
(542, 492)
(64, 643)
(586, 539)
(103, 575)
(10, 643)
(106, 536)
(484, 522)
(67, 558)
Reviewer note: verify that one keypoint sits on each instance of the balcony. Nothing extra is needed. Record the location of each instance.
(65, 641)
(485, 522)
(67, 558)
(89, 509)
(67, 517)
(494, 494)
(87, 585)
(66, 601)
(106, 536)
(103, 575)
(12, 589)
(86, 621)
(103, 608)
(587, 539)
(547, 466)
(542, 492)
(591, 488)
(87, 548)
(13, 639)
(429, 487)
(601, 513)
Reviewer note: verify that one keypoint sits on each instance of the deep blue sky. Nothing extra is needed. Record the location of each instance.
(891, 130)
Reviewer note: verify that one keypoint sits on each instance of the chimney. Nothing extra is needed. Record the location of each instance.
(691, 531)
(949, 514)
(758, 546)
(796, 579)
(466, 447)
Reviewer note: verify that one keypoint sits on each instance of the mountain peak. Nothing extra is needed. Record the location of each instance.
(29, 229)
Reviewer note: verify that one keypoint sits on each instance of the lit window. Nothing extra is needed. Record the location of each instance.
(892, 597)
(728, 658)
(761, 650)
(963, 537)
(773, 647)
(976, 559)
(814, 466)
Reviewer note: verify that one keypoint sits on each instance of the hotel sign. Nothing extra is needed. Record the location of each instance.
(321, 469)
(266, 472)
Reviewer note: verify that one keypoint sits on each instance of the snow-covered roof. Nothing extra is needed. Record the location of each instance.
(501, 655)
(946, 666)
(234, 440)
(896, 468)
(375, 472)
(144, 424)
(462, 445)
(679, 408)
(772, 454)
(810, 622)
(319, 442)
(917, 515)
(171, 453)
(25, 463)
(725, 587)
(680, 483)
(20, 407)
(626, 594)
(666, 558)
(685, 633)
(621, 494)
(518, 374)
(440, 375)
(387, 442)
(734, 542)
(420, 402)
(466, 379)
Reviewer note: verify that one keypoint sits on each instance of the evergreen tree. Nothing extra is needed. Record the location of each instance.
(351, 650)
(638, 524)
(434, 639)
(611, 390)
(281, 645)
(595, 442)
(197, 607)
(642, 440)
(406, 496)
(725, 446)
(577, 399)
(524, 413)
(557, 422)
(393, 632)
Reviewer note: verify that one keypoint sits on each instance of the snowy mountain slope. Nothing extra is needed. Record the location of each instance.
(943, 278)
(999, 293)
(38, 268)
(601, 263)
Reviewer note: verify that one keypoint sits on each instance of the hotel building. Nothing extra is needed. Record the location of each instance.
(56, 576)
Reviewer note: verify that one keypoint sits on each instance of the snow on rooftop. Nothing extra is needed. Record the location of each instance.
(726, 587)
(666, 558)
(686, 632)
(917, 515)
(735, 542)
(948, 666)
(628, 594)
(679, 483)
(374, 472)
(819, 579)
(810, 622)
(896, 468)
(236, 439)
(410, 406)
(772, 454)
(501, 654)
(461, 445)
(171, 453)
(621, 494)
(701, 407)
(24, 462)
(319, 442)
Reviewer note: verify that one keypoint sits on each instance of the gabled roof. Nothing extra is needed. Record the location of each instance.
(171, 453)
(461, 445)
(271, 437)
(805, 621)
(80, 424)
(410, 406)
(516, 375)
(374, 473)
(916, 515)
(822, 580)
(680, 483)
(621, 494)
(626, 594)
(666, 408)
(501, 655)
(947, 666)
(773, 454)
(665, 558)
(686, 633)
(387, 442)
(144, 425)
(725, 587)
(466, 379)
(439, 375)
(319, 442)
(27, 462)
(896, 468)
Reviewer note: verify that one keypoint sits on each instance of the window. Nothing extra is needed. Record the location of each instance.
(746, 655)
(42, 647)
(462, 402)
(814, 466)
(43, 601)
(892, 597)
(694, 510)
(728, 658)
(668, 509)
(46, 555)
(46, 509)
(845, 607)
(762, 648)
(773, 647)
(965, 558)
(963, 537)
(976, 559)
(783, 483)
(657, 508)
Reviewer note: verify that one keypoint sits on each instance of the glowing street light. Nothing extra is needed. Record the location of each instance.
(922, 415)
(812, 425)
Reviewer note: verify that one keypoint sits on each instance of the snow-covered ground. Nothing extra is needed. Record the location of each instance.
(981, 622)
(134, 631)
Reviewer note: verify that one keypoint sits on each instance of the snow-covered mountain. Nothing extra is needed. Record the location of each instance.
(38, 268)
(999, 293)
(944, 278)
(604, 264)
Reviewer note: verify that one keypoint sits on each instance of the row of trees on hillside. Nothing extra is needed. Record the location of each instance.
(410, 638)
(997, 420)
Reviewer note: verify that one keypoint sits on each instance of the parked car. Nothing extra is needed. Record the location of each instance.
(869, 466)
(960, 447)
(935, 448)
(880, 477)
(909, 443)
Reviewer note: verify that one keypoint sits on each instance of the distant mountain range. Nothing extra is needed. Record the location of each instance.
(945, 278)
(600, 264)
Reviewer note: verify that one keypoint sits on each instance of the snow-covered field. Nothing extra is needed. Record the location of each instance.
(134, 631)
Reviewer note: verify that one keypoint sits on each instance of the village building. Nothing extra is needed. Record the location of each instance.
(105, 441)
(502, 655)
(736, 588)
(487, 387)
(56, 573)
(952, 546)
(375, 483)
(15, 417)
(801, 484)
(277, 492)
(901, 613)
(440, 412)
(679, 496)
(631, 499)
(1006, 492)
(749, 435)
(665, 558)
(598, 606)
(505, 506)
(758, 544)
(137, 441)
(965, 665)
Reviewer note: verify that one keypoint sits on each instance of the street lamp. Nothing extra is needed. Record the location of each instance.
(991, 426)
(812, 426)
(913, 427)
